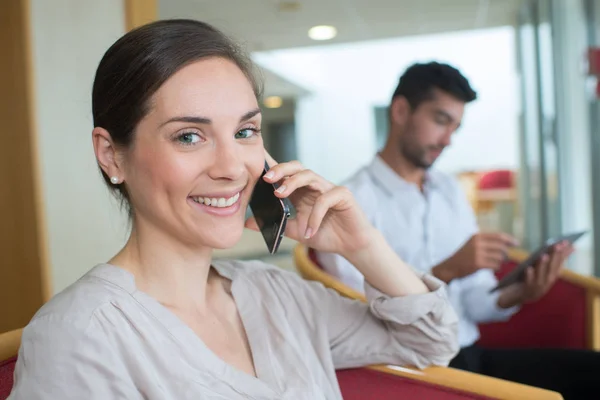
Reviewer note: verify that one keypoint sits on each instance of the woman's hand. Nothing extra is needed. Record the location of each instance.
(327, 216)
(329, 219)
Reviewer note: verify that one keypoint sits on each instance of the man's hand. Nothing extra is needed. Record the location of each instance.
(483, 250)
(538, 279)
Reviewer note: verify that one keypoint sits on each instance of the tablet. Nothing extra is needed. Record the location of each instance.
(518, 274)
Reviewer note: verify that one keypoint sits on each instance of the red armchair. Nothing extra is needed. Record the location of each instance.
(568, 316)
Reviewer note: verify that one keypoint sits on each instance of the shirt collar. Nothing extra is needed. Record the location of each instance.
(393, 183)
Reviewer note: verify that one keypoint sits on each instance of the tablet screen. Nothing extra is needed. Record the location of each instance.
(517, 274)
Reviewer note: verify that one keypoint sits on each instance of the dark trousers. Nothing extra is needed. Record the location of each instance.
(573, 373)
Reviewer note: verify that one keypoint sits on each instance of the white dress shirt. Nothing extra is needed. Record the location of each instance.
(424, 228)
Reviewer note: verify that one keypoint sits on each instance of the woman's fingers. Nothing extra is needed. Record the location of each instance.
(292, 175)
(323, 204)
(280, 171)
(304, 178)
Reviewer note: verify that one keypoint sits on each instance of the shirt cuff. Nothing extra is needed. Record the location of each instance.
(406, 310)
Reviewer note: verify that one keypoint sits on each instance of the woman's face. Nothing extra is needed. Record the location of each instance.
(197, 155)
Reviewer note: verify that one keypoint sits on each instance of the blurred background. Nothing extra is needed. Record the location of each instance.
(525, 153)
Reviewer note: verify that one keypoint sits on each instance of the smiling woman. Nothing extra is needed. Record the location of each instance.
(177, 138)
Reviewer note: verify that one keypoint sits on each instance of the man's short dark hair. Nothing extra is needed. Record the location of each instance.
(419, 81)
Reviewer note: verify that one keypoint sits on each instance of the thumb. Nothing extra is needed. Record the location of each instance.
(251, 224)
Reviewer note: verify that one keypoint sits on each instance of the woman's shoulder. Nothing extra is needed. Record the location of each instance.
(76, 305)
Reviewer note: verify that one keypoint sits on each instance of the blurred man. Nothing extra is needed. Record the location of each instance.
(426, 217)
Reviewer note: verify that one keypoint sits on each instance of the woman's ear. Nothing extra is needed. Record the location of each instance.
(399, 110)
(107, 155)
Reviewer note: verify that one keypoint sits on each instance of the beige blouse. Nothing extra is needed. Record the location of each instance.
(103, 339)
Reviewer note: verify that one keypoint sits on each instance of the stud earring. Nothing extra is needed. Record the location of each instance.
(114, 180)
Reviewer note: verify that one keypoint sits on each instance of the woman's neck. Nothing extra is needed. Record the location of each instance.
(166, 269)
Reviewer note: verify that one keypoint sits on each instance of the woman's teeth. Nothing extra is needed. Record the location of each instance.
(219, 202)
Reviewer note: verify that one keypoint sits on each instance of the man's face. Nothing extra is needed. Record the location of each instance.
(428, 129)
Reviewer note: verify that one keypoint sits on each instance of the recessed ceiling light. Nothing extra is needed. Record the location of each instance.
(322, 32)
(273, 102)
(289, 6)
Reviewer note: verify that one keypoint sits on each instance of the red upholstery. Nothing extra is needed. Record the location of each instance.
(366, 384)
(7, 368)
(313, 257)
(557, 320)
(500, 179)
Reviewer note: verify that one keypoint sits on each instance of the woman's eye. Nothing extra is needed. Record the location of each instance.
(246, 133)
(188, 138)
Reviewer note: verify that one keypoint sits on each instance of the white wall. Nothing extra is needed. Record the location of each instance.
(336, 131)
(84, 225)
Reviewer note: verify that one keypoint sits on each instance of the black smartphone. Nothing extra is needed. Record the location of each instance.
(270, 212)
(518, 273)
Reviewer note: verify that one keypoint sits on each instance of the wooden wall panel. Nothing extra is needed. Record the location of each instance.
(139, 12)
(24, 284)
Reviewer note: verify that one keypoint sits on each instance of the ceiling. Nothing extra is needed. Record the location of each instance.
(263, 25)
(275, 85)
(266, 25)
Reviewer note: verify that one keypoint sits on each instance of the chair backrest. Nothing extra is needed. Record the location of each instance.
(9, 347)
(365, 383)
(309, 269)
(557, 320)
(498, 179)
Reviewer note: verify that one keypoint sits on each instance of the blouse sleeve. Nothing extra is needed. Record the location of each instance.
(415, 330)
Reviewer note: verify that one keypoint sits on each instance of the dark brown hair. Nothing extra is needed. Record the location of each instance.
(140, 62)
(418, 82)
